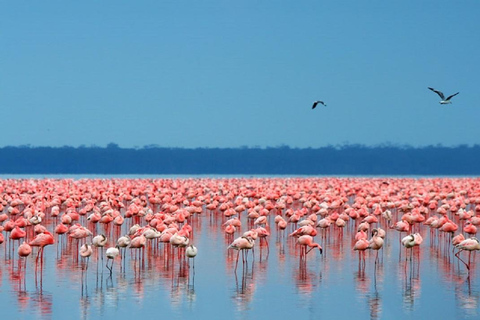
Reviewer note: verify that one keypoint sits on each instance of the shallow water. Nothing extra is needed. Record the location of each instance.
(274, 282)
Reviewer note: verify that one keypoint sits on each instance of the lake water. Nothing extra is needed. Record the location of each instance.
(274, 282)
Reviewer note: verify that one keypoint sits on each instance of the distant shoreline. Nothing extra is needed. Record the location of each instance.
(348, 160)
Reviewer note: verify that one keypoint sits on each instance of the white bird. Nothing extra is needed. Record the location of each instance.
(408, 241)
(99, 240)
(111, 254)
(179, 241)
(191, 251)
(86, 252)
(152, 233)
(123, 241)
(317, 102)
(444, 101)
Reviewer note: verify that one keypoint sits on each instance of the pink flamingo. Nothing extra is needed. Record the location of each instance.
(360, 246)
(242, 244)
(41, 240)
(470, 228)
(456, 240)
(376, 242)
(85, 252)
(471, 244)
(24, 251)
(307, 241)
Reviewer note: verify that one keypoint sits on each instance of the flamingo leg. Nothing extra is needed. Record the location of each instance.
(236, 263)
(109, 268)
(457, 255)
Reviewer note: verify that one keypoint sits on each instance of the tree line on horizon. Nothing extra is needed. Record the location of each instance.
(351, 159)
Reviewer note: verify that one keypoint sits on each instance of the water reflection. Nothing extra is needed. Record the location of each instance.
(244, 289)
(467, 298)
(411, 285)
(375, 305)
(306, 279)
(42, 302)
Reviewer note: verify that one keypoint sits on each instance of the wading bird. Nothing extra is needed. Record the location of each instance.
(111, 254)
(42, 240)
(307, 240)
(242, 244)
(85, 252)
(470, 244)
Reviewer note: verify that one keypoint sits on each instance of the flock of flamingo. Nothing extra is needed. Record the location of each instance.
(107, 217)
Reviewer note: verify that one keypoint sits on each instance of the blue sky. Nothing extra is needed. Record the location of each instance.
(238, 73)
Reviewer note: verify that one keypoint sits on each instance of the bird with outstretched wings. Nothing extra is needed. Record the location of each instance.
(317, 102)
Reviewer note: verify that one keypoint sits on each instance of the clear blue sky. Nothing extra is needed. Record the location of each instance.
(238, 73)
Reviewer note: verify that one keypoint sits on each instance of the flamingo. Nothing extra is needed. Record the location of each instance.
(470, 244)
(308, 229)
(408, 241)
(470, 228)
(411, 241)
(191, 251)
(360, 246)
(85, 252)
(242, 244)
(376, 242)
(123, 242)
(24, 250)
(17, 233)
(361, 235)
(41, 240)
(457, 240)
(99, 241)
(111, 254)
(307, 241)
(263, 233)
(178, 240)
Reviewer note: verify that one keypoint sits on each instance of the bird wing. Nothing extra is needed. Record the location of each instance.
(453, 95)
(438, 92)
(317, 102)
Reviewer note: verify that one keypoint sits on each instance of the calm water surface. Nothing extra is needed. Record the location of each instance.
(273, 283)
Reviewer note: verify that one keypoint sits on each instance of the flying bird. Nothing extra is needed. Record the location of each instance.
(444, 101)
(317, 102)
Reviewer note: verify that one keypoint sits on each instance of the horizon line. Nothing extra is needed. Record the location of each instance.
(113, 145)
